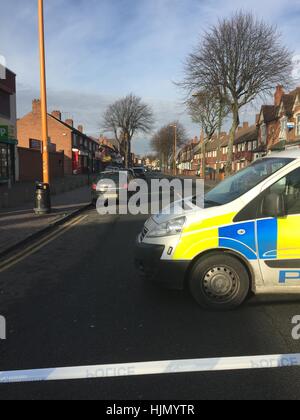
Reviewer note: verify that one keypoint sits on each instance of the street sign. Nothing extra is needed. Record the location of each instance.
(3, 132)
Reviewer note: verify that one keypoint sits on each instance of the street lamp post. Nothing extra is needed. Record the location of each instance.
(175, 149)
(46, 177)
(43, 203)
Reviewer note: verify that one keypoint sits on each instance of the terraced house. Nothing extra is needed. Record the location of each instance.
(277, 127)
(246, 149)
(279, 124)
(71, 151)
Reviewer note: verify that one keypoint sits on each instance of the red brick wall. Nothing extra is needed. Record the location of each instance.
(29, 127)
(30, 164)
(273, 133)
(57, 161)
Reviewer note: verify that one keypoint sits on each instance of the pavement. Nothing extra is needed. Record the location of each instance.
(21, 224)
(23, 192)
(78, 300)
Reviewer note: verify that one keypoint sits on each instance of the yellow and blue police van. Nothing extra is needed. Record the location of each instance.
(245, 239)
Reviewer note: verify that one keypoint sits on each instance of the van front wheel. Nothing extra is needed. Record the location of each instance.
(219, 282)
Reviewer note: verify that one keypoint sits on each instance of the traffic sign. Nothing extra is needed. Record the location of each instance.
(3, 132)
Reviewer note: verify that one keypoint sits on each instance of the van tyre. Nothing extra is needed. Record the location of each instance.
(219, 282)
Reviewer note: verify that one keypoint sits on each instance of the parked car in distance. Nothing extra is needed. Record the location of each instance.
(107, 185)
(130, 171)
(140, 172)
(112, 169)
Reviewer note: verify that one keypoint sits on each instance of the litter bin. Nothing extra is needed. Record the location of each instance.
(42, 198)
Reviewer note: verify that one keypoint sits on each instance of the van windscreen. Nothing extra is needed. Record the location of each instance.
(245, 180)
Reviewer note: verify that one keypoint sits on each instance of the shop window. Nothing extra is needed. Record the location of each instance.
(4, 104)
(4, 161)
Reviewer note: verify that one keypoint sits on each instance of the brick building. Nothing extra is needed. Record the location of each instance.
(187, 157)
(279, 124)
(109, 153)
(277, 127)
(80, 150)
(8, 132)
(246, 146)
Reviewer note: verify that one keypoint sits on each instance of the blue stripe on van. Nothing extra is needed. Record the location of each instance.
(239, 237)
(267, 231)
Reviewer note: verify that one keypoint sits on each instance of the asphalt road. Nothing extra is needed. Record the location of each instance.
(79, 301)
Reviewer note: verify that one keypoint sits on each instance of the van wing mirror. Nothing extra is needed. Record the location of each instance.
(274, 205)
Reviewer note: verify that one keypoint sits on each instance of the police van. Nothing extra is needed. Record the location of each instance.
(245, 239)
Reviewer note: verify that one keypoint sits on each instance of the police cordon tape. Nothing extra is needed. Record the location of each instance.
(151, 368)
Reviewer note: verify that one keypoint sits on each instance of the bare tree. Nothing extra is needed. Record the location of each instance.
(163, 141)
(125, 118)
(208, 110)
(241, 57)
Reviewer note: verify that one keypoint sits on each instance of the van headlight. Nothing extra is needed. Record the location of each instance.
(173, 227)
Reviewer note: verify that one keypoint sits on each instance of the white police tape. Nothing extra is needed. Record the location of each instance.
(151, 368)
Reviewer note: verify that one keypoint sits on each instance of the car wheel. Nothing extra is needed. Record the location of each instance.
(219, 282)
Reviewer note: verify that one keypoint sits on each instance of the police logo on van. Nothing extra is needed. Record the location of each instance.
(290, 275)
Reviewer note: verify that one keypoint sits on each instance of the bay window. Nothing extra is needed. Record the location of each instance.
(298, 125)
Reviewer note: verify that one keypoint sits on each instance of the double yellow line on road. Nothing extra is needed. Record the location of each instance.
(31, 249)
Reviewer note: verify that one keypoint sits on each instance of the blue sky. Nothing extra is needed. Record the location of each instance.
(99, 50)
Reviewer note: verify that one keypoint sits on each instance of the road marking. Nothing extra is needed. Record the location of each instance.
(151, 368)
(30, 247)
(36, 243)
(10, 262)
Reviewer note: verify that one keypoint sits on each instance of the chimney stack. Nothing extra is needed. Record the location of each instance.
(70, 122)
(278, 95)
(80, 128)
(56, 114)
(36, 106)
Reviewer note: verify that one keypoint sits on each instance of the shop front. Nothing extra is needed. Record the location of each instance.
(8, 145)
(80, 162)
(7, 157)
